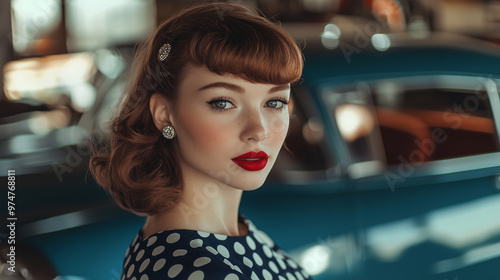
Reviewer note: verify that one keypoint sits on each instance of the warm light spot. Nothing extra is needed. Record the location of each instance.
(354, 121)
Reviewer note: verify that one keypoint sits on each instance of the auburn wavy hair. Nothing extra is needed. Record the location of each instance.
(138, 166)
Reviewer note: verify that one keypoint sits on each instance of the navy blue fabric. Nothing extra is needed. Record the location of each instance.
(197, 255)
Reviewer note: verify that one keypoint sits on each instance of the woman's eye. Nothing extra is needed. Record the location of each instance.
(221, 104)
(276, 104)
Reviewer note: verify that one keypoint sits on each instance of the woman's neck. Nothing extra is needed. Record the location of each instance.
(210, 208)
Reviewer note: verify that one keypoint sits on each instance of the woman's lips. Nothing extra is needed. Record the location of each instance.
(252, 161)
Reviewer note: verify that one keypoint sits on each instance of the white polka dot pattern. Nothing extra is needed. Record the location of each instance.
(159, 264)
(238, 248)
(197, 275)
(151, 240)
(267, 275)
(174, 270)
(174, 237)
(203, 234)
(196, 243)
(201, 261)
(267, 251)
(232, 266)
(250, 243)
(179, 252)
(273, 267)
(299, 275)
(144, 264)
(223, 251)
(290, 276)
(158, 250)
(212, 250)
(247, 262)
(220, 237)
(232, 276)
(257, 259)
(139, 255)
(130, 270)
(199, 255)
(292, 263)
(281, 263)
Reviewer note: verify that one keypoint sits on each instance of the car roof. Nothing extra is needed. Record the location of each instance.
(408, 54)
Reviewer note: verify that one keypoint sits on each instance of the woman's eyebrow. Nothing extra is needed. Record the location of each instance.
(239, 89)
(229, 86)
(279, 88)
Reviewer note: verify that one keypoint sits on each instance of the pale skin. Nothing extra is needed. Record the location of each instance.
(217, 118)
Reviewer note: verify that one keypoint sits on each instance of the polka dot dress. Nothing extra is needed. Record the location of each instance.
(197, 255)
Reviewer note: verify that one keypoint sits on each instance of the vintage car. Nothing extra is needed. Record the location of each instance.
(390, 172)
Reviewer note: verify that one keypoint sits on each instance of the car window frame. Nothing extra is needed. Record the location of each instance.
(438, 170)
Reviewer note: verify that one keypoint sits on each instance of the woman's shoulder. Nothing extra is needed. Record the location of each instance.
(189, 254)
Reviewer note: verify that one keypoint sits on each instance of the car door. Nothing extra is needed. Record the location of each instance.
(423, 166)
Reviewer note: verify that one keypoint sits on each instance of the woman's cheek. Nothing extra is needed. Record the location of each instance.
(278, 126)
(211, 132)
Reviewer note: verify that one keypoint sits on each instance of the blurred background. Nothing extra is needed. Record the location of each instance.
(394, 156)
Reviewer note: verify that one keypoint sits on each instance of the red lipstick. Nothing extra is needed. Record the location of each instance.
(252, 161)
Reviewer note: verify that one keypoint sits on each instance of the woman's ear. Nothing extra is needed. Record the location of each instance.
(160, 111)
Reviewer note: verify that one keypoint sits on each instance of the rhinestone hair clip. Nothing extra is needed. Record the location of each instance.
(164, 51)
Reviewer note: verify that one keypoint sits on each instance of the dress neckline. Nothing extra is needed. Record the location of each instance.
(241, 219)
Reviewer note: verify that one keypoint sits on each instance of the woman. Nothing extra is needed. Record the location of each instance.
(203, 121)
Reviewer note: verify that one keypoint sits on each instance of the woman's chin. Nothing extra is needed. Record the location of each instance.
(250, 185)
(253, 187)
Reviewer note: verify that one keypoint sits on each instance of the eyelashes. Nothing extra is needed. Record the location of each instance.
(222, 104)
(277, 103)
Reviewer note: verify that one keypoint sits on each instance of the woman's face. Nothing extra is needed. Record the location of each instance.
(229, 130)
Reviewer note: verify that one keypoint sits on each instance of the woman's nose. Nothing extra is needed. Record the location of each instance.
(255, 128)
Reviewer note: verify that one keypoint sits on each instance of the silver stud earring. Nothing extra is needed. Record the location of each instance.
(168, 132)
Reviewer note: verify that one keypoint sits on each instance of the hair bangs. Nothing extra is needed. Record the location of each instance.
(249, 54)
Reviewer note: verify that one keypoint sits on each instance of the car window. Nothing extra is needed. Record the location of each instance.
(305, 155)
(414, 120)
